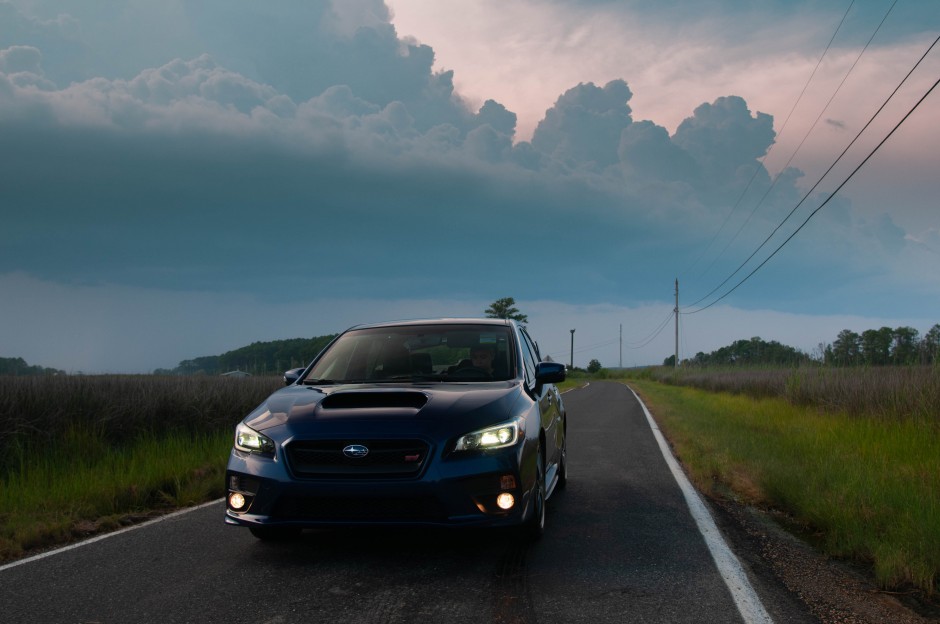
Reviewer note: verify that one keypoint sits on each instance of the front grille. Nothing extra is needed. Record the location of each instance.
(346, 509)
(386, 458)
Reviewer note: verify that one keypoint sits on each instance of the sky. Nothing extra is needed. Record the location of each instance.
(182, 178)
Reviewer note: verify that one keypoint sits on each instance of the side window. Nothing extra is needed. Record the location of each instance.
(535, 346)
(529, 359)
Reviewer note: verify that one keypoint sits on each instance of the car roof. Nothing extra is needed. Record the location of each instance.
(437, 321)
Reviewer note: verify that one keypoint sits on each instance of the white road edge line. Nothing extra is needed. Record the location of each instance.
(103, 536)
(748, 602)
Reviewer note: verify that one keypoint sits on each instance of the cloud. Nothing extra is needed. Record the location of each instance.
(724, 139)
(192, 166)
(23, 67)
(583, 127)
(305, 152)
(647, 151)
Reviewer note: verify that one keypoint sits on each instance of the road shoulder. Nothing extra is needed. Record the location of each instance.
(832, 591)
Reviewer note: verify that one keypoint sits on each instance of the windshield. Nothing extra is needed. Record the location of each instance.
(418, 352)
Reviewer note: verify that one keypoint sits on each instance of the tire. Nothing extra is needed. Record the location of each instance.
(275, 534)
(534, 525)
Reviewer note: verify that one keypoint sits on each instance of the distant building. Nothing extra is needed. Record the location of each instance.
(236, 373)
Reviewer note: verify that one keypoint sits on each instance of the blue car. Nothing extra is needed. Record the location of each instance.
(446, 422)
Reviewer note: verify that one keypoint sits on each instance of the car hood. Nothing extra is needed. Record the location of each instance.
(427, 407)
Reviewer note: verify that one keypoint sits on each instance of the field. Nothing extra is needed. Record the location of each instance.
(83, 454)
(893, 393)
(851, 456)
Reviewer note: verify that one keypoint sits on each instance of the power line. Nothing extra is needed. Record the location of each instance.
(637, 344)
(757, 169)
(657, 331)
(822, 177)
(787, 164)
(833, 194)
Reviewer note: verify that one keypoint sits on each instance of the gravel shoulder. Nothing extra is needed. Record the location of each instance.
(833, 591)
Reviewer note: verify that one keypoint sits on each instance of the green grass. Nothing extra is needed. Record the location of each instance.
(868, 487)
(81, 485)
(84, 454)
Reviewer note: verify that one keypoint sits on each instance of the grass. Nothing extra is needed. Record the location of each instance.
(889, 392)
(869, 488)
(80, 486)
(80, 455)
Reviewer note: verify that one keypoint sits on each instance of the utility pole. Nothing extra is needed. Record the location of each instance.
(621, 346)
(676, 311)
(571, 365)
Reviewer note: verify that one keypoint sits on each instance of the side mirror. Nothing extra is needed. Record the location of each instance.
(292, 375)
(549, 372)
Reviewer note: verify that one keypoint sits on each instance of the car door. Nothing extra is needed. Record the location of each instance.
(548, 404)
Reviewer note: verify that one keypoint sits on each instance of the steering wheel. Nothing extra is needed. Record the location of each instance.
(470, 372)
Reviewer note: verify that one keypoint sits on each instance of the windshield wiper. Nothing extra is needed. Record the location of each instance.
(319, 382)
(428, 377)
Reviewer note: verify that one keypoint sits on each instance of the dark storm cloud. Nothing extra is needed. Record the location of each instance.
(305, 150)
(647, 151)
(584, 125)
(725, 139)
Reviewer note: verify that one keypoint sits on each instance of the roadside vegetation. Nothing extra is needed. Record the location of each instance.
(84, 454)
(851, 456)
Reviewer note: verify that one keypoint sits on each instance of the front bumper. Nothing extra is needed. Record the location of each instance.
(457, 491)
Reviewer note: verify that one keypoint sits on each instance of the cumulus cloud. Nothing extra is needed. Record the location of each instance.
(583, 127)
(17, 59)
(23, 67)
(648, 152)
(305, 148)
(495, 115)
(725, 139)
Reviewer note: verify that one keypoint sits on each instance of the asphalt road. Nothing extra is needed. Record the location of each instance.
(620, 546)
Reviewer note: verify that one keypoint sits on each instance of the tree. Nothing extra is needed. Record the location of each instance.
(930, 345)
(847, 349)
(876, 346)
(593, 366)
(904, 347)
(505, 308)
(749, 353)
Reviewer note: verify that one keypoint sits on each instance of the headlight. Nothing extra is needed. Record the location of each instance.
(249, 440)
(497, 436)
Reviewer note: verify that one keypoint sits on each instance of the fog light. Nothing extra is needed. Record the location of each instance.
(505, 500)
(236, 500)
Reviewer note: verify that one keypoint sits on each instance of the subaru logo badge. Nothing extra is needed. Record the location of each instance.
(355, 451)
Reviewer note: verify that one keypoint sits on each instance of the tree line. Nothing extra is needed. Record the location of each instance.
(258, 358)
(884, 346)
(18, 366)
(899, 346)
(276, 356)
(747, 353)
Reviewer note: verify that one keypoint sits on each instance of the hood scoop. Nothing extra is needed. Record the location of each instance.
(374, 400)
